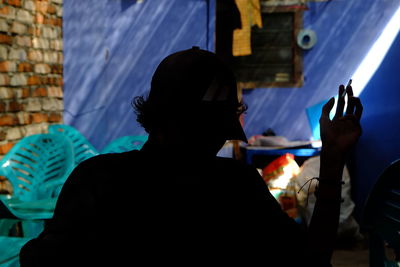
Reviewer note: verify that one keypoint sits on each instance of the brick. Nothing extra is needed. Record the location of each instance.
(39, 18)
(55, 91)
(60, 58)
(46, 80)
(59, 11)
(4, 66)
(7, 66)
(60, 104)
(7, 12)
(25, 67)
(42, 68)
(48, 32)
(42, 6)
(15, 106)
(45, 127)
(23, 41)
(21, 93)
(40, 91)
(59, 32)
(40, 43)
(18, 28)
(50, 57)
(25, 92)
(3, 53)
(24, 16)
(35, 31)
(33, 104)
(4, 10)
(2, 107)
(39, 117)
(5, 39)
(24, 118)
(3, 25)
(5, 148)
(35, 55)
(34, 80)
(59, 81)
(50, 104)
(46, 20)
(56, 44)
(2, 135)
(13, 133)
(56, 22)
(51, 9)
(32, 129)
(55, 117)
(8, 120)
(17, 54)
(16, 3)
(30, 5)
(18, 79)
(4, 79)
(57, 69)
(6, 93)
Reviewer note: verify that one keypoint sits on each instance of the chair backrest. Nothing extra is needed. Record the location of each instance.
(382, 215)
(83, 149)
(125, 143)
(36, 160)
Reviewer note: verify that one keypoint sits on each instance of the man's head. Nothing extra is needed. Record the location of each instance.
(194, 91)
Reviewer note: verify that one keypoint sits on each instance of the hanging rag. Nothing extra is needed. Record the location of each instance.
(250, 15)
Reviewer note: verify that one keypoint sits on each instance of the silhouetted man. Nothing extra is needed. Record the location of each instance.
(175, 203)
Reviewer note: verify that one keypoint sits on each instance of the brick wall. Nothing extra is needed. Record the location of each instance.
(31, 69)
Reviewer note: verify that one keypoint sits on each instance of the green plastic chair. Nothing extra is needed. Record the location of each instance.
(382, 217)
(37, 167)
(10, 248)
(82, 148)
(125, 143)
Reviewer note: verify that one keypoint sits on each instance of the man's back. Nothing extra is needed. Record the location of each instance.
(139, 206)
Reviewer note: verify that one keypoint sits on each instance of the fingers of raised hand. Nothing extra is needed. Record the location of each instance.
(350, 101)
(354, 106)
(340, 104)
(349, 90)
(326, 109)
(358, 107)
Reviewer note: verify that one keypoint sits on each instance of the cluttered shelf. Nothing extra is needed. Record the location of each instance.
(263, 149)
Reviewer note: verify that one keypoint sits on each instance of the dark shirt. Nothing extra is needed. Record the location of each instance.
(135, 207)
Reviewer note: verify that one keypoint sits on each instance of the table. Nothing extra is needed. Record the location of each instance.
(249, 152)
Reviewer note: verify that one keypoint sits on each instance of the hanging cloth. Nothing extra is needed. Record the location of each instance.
(250, 15)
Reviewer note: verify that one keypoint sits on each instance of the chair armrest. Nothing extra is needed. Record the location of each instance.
(29, 210)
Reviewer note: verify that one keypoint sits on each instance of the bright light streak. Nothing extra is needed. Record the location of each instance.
(376, 54)
(373, 59)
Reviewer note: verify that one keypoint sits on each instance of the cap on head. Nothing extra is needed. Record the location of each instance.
(187, 79)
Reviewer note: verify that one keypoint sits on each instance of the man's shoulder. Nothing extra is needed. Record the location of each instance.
(109, 161)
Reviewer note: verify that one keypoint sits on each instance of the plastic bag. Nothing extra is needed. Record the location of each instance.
(279, 175)
(348, 226)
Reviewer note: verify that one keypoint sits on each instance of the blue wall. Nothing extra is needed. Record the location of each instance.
(380, 142)
(112, 47)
